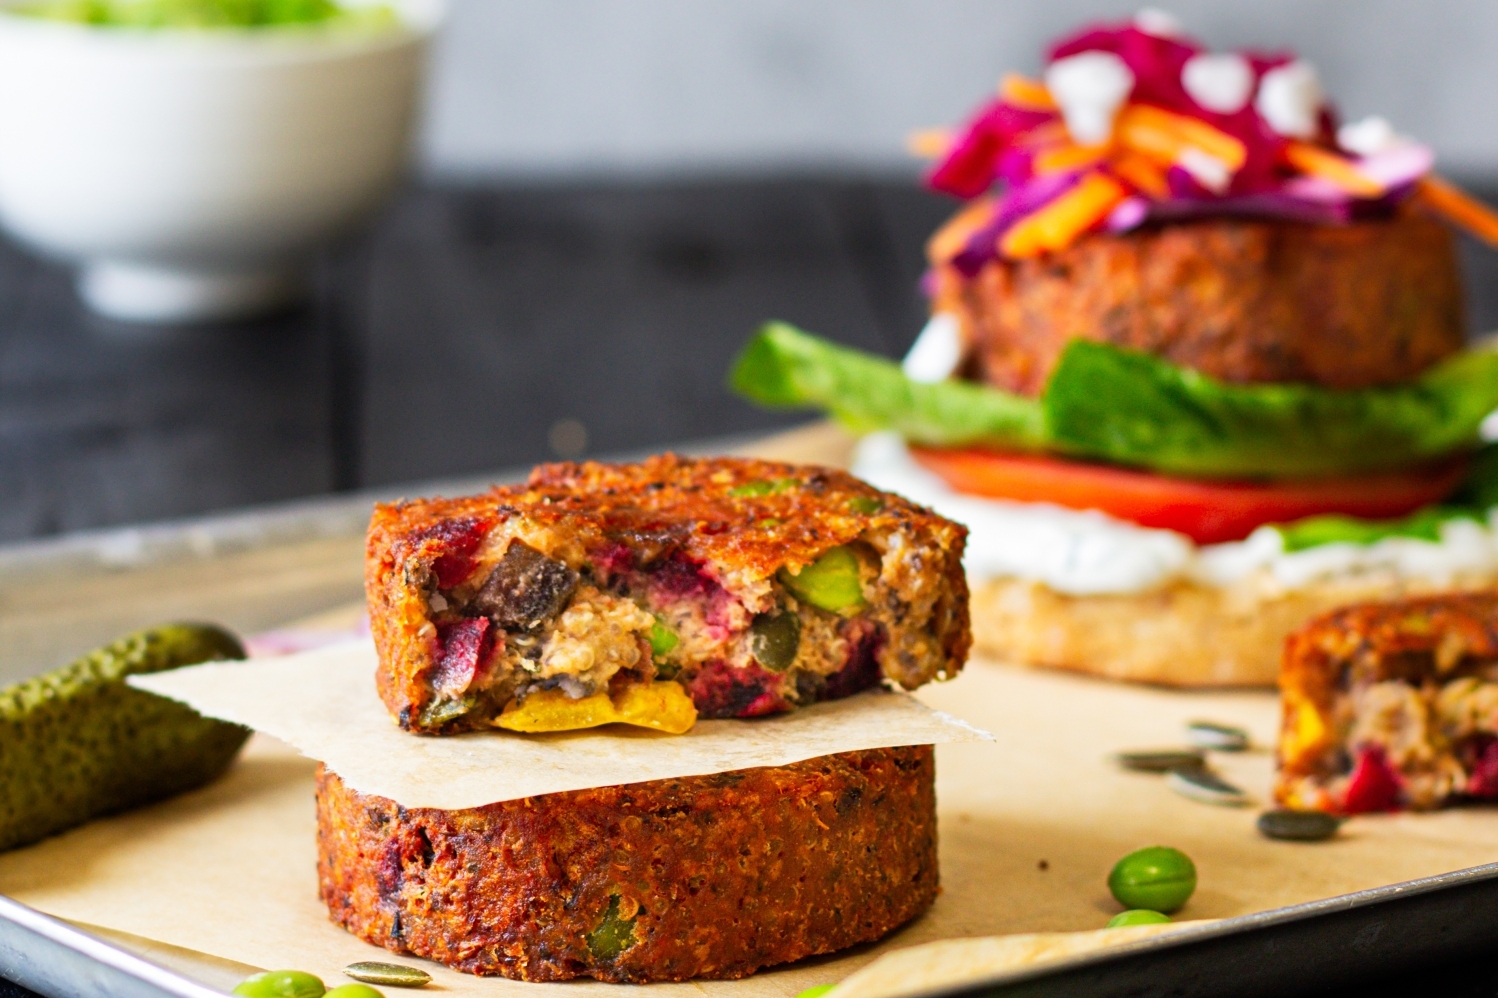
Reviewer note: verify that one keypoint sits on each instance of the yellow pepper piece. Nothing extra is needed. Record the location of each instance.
(1307, 734)
(661, 705)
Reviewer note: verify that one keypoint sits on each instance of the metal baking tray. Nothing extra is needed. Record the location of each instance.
(1316, 948)
(60, 597)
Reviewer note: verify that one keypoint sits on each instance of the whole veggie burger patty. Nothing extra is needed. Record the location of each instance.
(731, 587)
(704, 876)
(1244, 300)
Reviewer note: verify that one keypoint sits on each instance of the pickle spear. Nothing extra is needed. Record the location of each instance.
(77, 742)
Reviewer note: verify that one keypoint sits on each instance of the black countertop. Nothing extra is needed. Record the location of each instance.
(470, 328)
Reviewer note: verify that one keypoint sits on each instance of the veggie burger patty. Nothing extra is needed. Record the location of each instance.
(1391, 706)
(703, 876)
(734, 586)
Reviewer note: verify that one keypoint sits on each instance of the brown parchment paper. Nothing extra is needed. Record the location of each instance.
(324, 703)
(1029, 827)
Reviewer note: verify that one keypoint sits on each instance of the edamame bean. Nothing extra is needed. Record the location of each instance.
(1158, 878)
(815, 991)
(1137, 916)
(281, 984)
(829, 583)
(354, 991)
(662, 639)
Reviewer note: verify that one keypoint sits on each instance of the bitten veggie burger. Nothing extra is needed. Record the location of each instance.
(1195, 371)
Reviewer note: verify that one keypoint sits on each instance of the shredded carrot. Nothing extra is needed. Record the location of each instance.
(1459, 208)
(949, 240)
(928, 143)
(1068, 157)
(1142, 172)
(1021, 91)
(1056, 225)
(1050, 133)
(1317, 162)
(1162, 135)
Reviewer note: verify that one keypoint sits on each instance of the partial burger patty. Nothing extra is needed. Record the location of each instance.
(704, 876)
(1345, 306)
(1392, 705)
(755, 586)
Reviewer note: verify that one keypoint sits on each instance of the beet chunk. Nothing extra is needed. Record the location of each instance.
(525, 588)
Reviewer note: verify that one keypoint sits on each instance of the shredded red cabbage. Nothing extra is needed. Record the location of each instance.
(996, 152)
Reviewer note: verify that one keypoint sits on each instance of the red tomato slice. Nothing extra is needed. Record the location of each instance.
(1206, 511)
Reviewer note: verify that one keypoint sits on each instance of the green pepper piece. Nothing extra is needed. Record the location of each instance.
(763, 487)
(280, 984)
(829, 583)
(662, 639)
(865, 504)
(614, 935)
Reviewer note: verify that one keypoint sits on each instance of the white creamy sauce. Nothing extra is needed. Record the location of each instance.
(1091, 553)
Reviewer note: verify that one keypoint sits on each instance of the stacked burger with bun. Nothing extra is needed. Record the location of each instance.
(1196, 369)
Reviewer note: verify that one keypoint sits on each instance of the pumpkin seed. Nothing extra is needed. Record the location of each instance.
(1159, 762)
(1298, 826)
(392, 975)
(1201, 784)
(1218, 737)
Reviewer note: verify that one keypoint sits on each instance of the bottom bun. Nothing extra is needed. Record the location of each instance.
(704, 876)
(1179, 635)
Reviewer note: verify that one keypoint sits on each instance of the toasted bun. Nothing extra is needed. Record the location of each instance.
(1181, 635)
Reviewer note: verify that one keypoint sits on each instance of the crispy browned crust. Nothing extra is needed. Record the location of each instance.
(720, 875)
(1371, 303)
(666, 503)
(1422, 642)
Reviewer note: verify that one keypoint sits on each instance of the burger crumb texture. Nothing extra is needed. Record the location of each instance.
(754, 587)
(1392, 706)
(1344, 306)
(705, 876)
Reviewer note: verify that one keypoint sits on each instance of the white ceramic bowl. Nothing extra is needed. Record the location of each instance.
(191, 175)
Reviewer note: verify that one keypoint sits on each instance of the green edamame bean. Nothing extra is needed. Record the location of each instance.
(281, 984)
(354, 991)
(1137, 916)
(662, 639)
(773, 641)
(815, 991)
(1158, 878)
(829, 583)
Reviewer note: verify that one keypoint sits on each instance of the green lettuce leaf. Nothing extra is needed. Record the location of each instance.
(1103, 402)
(783, 367)
(1477, 494)
(1134, 408)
